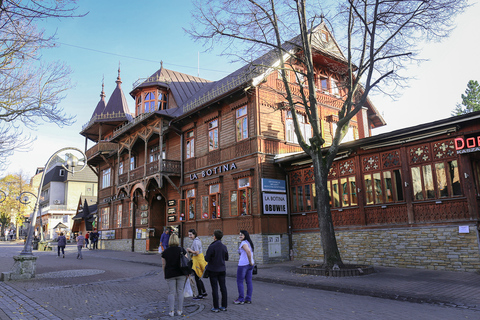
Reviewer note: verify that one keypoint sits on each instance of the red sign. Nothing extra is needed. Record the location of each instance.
(465, 145)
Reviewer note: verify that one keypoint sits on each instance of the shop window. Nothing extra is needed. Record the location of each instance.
(476, 172)
(304, 198)
(440, 180)
(106, 174)
(149, 102)
(242, 123)
(119, 216)
(105, 218)
(190, 144)
(187, 206)
(383, 187)
(241, 199)
(162, 100)
(213, 135)
(305, 128)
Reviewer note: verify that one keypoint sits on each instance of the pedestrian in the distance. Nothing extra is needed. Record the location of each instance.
(198, 263)
(80, 245)
(216, 256)
(173, 274)
(87, 235)
(245, 268)
(164, 239)
(61, 243)
(94, 239)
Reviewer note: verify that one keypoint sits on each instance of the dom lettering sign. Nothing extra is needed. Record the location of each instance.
(467, 144)
(274, 203)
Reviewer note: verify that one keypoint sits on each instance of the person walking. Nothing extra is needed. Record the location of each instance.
(173, 274)
(61, 243)
(245, 268)
(164, 239)
(216, 256)
(80, 244)
(198, 263)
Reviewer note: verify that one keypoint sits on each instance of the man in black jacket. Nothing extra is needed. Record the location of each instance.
(216, 256)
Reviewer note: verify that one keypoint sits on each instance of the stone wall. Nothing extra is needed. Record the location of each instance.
(123, 245)
(435, 247)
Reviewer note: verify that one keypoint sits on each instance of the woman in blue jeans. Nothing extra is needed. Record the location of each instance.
(245, 268)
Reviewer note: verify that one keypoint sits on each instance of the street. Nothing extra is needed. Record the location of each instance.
(100, 287)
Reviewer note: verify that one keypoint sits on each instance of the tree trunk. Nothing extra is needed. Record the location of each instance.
(327, 233)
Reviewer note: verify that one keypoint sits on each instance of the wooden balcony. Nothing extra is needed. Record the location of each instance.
(103, 147)
(169, 167)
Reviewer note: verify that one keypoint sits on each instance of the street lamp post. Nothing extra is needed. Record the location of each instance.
(25, 263)
(24, 199)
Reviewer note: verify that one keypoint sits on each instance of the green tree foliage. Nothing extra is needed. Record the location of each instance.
(13, 211)
(470, 100)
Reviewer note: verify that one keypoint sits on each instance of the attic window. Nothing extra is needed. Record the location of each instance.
(62, 172)
(324, 36)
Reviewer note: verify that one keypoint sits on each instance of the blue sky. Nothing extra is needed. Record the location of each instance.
(142, 33)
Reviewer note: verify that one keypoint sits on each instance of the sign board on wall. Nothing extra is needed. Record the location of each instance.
(273, 185)
(274, 203)
(171, 203)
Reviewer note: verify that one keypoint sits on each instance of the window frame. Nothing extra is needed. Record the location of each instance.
(190, 144)
(213, 135)
(241, 123)
(106, 178)
(381, 197)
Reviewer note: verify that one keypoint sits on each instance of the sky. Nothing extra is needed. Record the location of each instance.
(138, 35)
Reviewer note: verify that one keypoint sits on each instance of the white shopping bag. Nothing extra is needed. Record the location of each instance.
(187, 291)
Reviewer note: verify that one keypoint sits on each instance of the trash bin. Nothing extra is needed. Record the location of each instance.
(35, 244)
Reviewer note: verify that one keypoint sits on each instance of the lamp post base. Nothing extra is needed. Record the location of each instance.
(24, 268)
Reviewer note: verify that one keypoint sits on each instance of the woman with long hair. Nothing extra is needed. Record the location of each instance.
(245, 268)
(173, 274)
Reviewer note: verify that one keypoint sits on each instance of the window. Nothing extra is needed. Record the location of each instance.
(324, 36)
(342, 192)
(119, 216)
(383, 187)
(305, 128)
(149, 102)
(334, 87)
(120, 167)
(187, 206)
(323, 83)
(154, 153)
(106, 178)
(440, 180)
(62, 172)
(242, 123)
(132, 163)
(190, 144)
(105, 218)
(162, 100)
(349, 136)
(213, 135)
(139, 104)
(241, 199)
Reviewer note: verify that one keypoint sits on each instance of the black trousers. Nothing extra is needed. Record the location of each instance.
(218, 278)
(200, 286)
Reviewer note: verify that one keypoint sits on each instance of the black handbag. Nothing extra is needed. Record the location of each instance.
(184, 266)
(255, 270)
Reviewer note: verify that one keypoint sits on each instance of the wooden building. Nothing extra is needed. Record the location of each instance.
(223, 155)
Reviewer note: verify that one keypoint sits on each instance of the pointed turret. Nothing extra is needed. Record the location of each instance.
(101, 104)
(117, 105)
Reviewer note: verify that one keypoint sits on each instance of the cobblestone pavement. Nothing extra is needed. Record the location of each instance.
(125, 285)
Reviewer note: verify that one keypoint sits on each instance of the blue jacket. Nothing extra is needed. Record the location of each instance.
(62, 241)
(216, 256)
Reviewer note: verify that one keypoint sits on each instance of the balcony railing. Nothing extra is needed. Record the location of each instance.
(100, 147)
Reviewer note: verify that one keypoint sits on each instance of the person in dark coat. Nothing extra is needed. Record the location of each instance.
(62, 242)
(216, 256)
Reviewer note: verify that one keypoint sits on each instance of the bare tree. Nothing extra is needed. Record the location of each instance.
(30, 91)
(378, 39)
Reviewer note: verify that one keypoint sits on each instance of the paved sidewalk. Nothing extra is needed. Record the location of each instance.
(453, 289)
(457, 289)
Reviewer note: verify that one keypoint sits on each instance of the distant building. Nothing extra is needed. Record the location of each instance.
(59, 197)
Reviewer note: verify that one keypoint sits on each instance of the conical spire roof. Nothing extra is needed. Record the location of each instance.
(101, 104)
(117, 104)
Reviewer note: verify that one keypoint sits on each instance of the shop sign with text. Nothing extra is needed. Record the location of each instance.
(467, 144)
(274, 203)
(213, 171)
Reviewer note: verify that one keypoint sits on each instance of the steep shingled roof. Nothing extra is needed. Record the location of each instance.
(117, 104)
